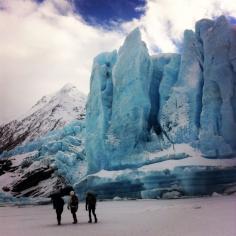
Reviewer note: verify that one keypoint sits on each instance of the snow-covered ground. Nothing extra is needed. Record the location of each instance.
(193, 217)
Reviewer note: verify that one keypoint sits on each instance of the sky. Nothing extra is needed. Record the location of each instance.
(46, 44)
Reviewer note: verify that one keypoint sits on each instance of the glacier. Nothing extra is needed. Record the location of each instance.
(39, 167)
(137, 101)
(141, 104)
(157, 126)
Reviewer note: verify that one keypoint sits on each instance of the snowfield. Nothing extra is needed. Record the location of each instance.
(213, 216)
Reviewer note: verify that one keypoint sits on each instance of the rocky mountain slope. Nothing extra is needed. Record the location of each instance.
(49, 113)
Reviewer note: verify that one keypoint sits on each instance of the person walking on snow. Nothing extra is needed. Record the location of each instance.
(91, 206)
(73, 205)
(58, 204)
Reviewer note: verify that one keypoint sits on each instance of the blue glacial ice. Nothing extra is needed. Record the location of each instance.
(142, 104)
(62, 150)
(188, 98)
(175, 172)
(218, 123)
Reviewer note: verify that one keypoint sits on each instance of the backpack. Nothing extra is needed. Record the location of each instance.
(91, 199)
(74, 201)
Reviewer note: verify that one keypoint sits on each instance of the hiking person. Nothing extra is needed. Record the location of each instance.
(73, 205)
(58, 204)
(91, 206)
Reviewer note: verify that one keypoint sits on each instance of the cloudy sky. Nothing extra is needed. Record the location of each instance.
(45, 44)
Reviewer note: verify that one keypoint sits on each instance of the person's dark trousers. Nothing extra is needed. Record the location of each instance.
(73, 212)
(59, 212)
(92, 210)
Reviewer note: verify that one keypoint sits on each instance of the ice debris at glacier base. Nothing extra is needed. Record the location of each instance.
(182, 170)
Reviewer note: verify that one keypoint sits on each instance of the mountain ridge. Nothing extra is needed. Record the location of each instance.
(49, 113)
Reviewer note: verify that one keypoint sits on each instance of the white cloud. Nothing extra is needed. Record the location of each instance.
(44, 46)
(41, 50)
(166, 20)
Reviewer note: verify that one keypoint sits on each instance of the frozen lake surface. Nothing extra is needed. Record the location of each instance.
(214, 216)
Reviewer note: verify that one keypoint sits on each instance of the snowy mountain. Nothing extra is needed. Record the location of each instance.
(49, 113)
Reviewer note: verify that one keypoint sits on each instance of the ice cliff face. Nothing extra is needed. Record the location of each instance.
(49, 113)
(164, 124)
(218, 120)
(139, 102)
(116, 120)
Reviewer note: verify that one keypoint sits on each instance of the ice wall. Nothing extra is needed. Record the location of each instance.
(180, 94)
(140, 103)
(117, 119)
(218, 123)
(99, 109)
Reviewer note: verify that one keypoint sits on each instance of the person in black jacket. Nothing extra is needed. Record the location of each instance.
(73, 205)
(91, 206)
(58, 204)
